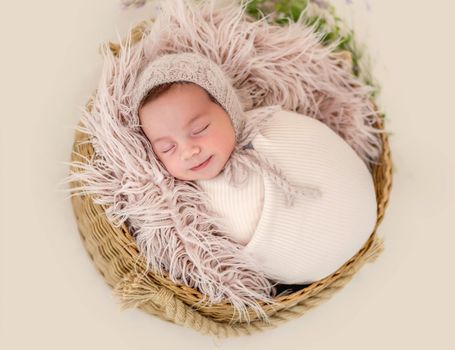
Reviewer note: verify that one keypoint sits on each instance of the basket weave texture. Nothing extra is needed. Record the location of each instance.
(115, 254)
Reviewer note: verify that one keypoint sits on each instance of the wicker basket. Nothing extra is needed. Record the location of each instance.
(115, 254)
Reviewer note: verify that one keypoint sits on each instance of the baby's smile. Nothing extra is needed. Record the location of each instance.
(203, 165)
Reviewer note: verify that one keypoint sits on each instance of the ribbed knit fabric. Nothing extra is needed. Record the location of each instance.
(240, 208)
(312, 239)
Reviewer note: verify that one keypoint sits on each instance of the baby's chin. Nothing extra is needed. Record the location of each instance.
(207, 176)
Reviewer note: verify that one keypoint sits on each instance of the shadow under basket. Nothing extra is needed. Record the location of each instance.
(115, 254)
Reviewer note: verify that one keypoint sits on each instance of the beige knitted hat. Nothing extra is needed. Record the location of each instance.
(189, 67)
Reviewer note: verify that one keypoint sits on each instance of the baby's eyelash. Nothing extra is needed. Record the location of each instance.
(168, 150)
(197, 132)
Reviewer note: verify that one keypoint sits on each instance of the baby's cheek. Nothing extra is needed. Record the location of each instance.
(226, 139)
(169, 166)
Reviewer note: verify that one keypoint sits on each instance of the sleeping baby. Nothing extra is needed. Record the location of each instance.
(291, 191)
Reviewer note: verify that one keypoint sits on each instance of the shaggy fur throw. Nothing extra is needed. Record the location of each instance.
(268, 65)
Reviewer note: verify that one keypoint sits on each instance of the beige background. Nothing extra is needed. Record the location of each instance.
(52, 297)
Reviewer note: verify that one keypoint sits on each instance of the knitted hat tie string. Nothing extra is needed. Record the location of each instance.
(243, 159)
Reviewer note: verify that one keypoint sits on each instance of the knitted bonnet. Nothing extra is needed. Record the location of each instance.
(194, 68)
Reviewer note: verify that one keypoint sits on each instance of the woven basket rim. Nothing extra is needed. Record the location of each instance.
(223, 312)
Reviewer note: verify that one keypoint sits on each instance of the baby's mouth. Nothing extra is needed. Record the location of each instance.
(202, 165)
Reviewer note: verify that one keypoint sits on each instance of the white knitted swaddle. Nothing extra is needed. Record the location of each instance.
(312, 239)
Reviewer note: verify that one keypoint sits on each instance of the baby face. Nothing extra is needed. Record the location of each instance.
(190, 134)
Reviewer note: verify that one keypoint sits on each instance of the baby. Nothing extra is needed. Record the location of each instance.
(193, 118)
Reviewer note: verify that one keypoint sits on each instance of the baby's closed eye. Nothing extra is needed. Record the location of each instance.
(201, 130)
(168, 149)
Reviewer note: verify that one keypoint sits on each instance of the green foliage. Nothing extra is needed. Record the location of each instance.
(283, 11)
(291, 8)
(285, 8)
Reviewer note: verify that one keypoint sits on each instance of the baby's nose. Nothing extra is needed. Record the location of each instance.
(190, 151)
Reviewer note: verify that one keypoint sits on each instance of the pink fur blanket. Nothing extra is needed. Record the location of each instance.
(269, 65)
